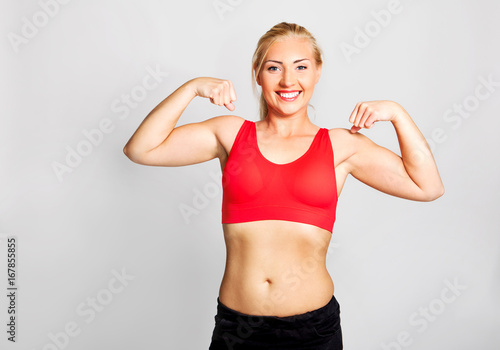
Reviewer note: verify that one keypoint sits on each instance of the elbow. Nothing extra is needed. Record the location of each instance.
(130, 154)
(126, 151)
(434, 194)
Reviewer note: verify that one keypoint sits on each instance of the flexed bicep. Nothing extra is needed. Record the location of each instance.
(158, 142)
(188, 144)
(382, 169)
(414, 174)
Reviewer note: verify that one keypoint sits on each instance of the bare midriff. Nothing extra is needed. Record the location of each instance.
(275, 268)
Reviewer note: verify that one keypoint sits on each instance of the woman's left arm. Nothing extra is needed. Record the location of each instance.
(414, 175)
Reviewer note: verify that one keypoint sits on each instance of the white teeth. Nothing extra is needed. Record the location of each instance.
(289, 95)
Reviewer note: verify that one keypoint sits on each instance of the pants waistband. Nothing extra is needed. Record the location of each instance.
(332, 308)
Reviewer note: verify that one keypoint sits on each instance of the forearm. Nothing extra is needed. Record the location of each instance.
(417, 156)
(160, 122)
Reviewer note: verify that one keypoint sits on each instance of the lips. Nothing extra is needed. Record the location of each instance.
(288, 96)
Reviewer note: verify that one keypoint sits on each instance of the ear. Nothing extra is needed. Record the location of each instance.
(257, 79)
(318, 73)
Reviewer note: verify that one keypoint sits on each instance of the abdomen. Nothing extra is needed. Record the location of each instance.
(275, 268)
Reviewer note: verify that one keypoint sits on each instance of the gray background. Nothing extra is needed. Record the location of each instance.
(390, 259)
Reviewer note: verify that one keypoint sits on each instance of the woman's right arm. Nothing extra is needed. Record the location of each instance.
(158, 142)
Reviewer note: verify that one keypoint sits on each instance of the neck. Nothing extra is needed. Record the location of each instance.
(287, 125)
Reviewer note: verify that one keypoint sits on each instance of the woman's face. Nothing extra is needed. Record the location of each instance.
(288, 76)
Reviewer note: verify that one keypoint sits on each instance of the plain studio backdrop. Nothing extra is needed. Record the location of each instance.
(114, 255)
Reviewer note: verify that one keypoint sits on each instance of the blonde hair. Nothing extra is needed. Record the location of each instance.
(279, 32)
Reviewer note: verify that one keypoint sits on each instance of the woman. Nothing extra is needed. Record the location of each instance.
(281, 181)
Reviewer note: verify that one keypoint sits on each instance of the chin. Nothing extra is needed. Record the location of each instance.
(288, 112)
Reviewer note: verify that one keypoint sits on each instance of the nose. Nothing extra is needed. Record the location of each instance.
(287, 78)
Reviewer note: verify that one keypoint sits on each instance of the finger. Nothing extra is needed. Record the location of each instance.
(368, 114)
(214, 96)
(232, 92)
(355, 129)
(232, 98)
(359, 115)
(362, 117)
(227, 94)
(220, 95)
(352, 118)
(370, 121)
(215, 100)
(217, 94)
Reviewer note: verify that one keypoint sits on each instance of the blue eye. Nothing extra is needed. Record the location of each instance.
(273, 68)
(301, 67)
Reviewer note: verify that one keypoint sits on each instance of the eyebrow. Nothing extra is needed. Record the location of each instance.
(297, 61)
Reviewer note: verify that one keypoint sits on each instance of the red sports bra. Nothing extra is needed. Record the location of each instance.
(255, 188)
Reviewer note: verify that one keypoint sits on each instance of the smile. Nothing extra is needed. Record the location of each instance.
(288, 96)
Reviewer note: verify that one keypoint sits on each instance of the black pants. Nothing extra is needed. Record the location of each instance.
(314, 330)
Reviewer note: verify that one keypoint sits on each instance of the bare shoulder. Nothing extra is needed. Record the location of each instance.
(345, 143)
(227, 122)
(226, 125)
(226, 128)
